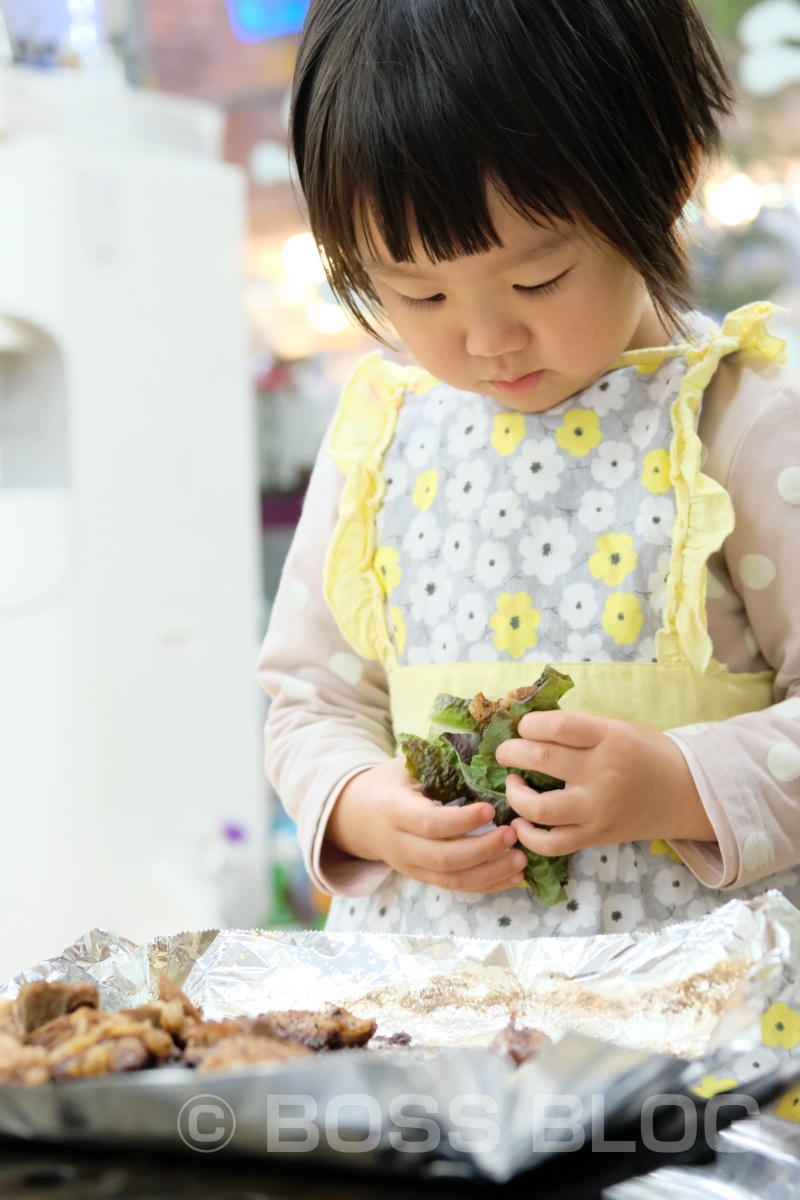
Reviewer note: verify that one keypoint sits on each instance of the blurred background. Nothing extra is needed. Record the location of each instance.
(170, 355)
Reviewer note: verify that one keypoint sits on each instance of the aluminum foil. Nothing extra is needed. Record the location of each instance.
(631, 1015)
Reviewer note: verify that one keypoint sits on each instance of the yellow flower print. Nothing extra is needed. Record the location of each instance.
(710, 1086)
(789, 1107)
(399, 626)
(622, 618)
(579, 432)
(661, 847)
(615, 558)
(508, 432)
(655, 472)
(386, 565)
(780, 1026)
(425, 490)
(515, 624)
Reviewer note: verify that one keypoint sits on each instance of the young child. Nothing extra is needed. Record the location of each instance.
(582, 471)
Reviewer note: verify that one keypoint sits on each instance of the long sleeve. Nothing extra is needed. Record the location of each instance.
(329, 717)
(747, 769)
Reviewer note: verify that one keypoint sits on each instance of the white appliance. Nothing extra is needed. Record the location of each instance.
(129, 589)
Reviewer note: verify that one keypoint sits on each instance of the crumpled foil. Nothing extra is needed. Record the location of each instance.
(631, 1015)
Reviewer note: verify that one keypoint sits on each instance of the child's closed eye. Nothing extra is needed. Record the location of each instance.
(414, 302)
(542, 288)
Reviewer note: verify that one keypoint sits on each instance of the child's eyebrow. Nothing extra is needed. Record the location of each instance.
(543, 249)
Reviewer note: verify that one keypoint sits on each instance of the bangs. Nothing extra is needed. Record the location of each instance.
(407, 112)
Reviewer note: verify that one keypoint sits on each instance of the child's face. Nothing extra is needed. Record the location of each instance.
(528, 323)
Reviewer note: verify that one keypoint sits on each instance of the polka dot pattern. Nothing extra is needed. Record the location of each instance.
(755, 852)
(750, 640)
(783, 762)
(789, 485)
(347, 667)
(756, 571)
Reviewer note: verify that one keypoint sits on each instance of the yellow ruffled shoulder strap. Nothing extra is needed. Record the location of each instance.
(362, 430)
(705, 514)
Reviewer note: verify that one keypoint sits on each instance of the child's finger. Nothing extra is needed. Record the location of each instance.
(422, 817)
(549, 758)
(561, 807)
(562, 839)
(460, 854)
(495, 875)
(579, 730)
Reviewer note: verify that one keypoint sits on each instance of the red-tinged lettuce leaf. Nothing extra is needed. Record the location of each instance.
(436, 765)
(465, 744)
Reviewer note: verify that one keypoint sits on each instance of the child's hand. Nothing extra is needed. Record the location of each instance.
(624, 783)
(382, 814)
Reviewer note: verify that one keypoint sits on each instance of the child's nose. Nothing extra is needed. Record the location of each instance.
(490, 335)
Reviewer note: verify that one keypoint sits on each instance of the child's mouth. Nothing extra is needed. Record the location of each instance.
(518, 385)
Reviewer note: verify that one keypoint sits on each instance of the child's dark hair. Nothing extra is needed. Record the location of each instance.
(599, 109)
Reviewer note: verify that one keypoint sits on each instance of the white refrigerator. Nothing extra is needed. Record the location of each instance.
(131, 787)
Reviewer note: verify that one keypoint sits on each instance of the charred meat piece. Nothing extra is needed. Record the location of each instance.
(39, 1002)
(331, 1030)
(520, 1043)
(22, 1064)
(169, 992)
(102, 1043)
(62, 1029)
(244, 1050)
(482, 710)
(9, 1022)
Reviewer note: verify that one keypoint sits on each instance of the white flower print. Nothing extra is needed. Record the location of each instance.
(755, 1062)
(608, 394)
(580, 910)
(456, 924)
(613, 463)
(423, 536)
(622, 913)
(444, 643)
(466, 491)
(472, 617)
(697, 908)
(457, 548)
(646, 650)
(600, 861)
(436, 902)
(502, 514)
(492, 564)
(644, 426)
(511, 918)
(430, 594)
(537, 468)
(674, 886)
(631, 864)
(482, 652)
(585, 647)
(396, 476)
(421, 446)
(470, 431)
(443, 400)
(655, 519)
(663, 384)
(419, 656)
(578, 607)
(657, 583)
(598, 511)
(547, 551)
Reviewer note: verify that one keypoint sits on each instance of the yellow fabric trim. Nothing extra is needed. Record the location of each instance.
(362, 430)
(705, 514)
(643, 693)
